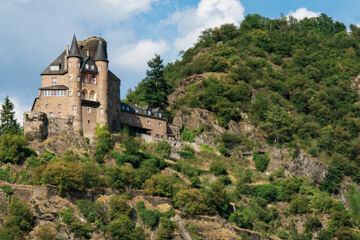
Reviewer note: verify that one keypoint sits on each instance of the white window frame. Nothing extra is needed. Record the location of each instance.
(74, 108)
(53, 80)
(51, 115)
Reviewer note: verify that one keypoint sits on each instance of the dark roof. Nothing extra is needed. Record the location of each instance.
(55, 87)
(101, 53)
(142, 110)
(60, 62)
(88, 60)
(74, 49)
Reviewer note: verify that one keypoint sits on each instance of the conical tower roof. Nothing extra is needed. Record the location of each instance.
(101, 53)
(74, 49)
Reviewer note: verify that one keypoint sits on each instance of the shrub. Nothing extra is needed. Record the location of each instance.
(45, 233)
(119, 206)
(227, 142)
(312, 224)
(104, 142)
(13, 148)
(165, 229)
(261, 161)
(187, 153)
(80, 229)
(163, 148)
(122, 228)
(159, 185)
(191, 202)
(218, 168)
(242, 219)
(149, 217)
(265, 191)
(120, 177)
(299, 205)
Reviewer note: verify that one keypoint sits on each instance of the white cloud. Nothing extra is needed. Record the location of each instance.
(208, 14)
(302, 13)
(134, 57)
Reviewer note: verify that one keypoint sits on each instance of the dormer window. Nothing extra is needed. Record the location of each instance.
(78, 64)
(54, 81)
(127, 109)
(149, 112)
(92, 67)
(87, 66)
(160, 115)
(55, 68)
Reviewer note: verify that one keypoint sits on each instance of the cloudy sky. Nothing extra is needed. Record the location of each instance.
(34, 32)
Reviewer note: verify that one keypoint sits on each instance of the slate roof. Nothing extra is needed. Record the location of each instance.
(88, 60)
(101, 53)
(74, 49)
(59, 61)
(142, 110)
(55, 87)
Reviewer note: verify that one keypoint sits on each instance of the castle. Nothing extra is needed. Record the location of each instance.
(78, 91)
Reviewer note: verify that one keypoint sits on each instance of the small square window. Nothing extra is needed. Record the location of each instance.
(70, 78)
(92, 67)
(70, 92)
(78, 93)
(149, 123)
(54, 81)
(74, 108)
(59, 114)
(78, 79)
(137, 120)
(47, 106)
(78, 64)
(159, 124)
(60, 106)
(69, 65)
(101, 110)
(88, 121)
(89, 110)
(99, 68)
(51, 115)
(87, 66)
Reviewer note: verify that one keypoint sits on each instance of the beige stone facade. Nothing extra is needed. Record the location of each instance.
(78, 85)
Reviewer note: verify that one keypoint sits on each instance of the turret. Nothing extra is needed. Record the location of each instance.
(74, 64)
(101, 62)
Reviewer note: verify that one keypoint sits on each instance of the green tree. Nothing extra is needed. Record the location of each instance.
(156, 87)
(122, 228)
(13, 148)
(8, 123)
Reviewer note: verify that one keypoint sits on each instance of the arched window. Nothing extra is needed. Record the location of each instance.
(92, 95)
(84, 94)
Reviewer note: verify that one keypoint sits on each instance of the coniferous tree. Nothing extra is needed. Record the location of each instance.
(156, 87)
(8, 123)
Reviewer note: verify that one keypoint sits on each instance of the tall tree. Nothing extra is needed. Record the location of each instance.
(8, 123)
(156, 87)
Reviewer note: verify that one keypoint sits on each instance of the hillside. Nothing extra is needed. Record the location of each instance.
(269, 147)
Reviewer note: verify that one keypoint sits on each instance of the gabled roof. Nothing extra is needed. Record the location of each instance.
(88, 60)
(101, 53)
(59, 61)
(74, 49)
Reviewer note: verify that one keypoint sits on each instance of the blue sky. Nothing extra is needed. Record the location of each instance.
(34, 32)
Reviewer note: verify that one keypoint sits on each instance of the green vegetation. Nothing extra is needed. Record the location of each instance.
(261, 161)
(8, 123)
(104, 142)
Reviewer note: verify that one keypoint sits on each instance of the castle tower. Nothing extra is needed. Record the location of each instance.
(74, 83)
(101, 62)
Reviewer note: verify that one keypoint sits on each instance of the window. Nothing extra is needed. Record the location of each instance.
(60, 106)
(47, 106)
(92, 67)
(127, 109)
(78, 64)
(160, 115)
(69, 65)
(89, 110)
(78, 93)
(59, 114)
(148, 112)
(54, 81)
(129, 119)
(99, 68)
(49, 93)
(70, 78)
(88, 121)
(74, 108)
(159, 124)
(55, 68)
(137, 120)
(78, 79)
(122, 108)
(51, 115)
(87, 66)
(101, 110)
(70, 92)
(149, 123)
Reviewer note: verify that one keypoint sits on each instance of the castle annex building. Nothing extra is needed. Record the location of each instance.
(78, 91)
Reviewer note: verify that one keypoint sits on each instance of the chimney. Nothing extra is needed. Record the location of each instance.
(65, 58)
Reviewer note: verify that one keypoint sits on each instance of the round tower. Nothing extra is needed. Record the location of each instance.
(101, 62)
(74, 64)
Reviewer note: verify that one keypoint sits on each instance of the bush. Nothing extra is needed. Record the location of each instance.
(13, 148)
(159, 185)
(149, 217)
(261, 161)
(80, 229)
(104, 142)
(312, 224)
(122, 228)
(299, 205)
(45, 233)
(265, 191)
(165, 229)
(227, 142)
(119, 206)
(242, 219)
(218, 168)
(163, 148)
(191, 202)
